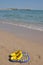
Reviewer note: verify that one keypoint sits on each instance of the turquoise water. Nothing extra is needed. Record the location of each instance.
(32, 19)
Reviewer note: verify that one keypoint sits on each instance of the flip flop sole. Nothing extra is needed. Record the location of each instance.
(24, 59)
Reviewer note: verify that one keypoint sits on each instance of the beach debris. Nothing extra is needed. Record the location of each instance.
(39, 57)
(19, 56)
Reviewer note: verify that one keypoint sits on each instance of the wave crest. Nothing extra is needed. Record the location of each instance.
(31, 26)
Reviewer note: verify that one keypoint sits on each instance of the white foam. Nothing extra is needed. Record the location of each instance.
(25, 26)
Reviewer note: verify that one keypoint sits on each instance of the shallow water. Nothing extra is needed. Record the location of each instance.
(31, 19)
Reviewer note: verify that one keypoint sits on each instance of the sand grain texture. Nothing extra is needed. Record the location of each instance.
(9, 42)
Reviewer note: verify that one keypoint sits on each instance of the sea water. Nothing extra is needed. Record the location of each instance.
(30, 19)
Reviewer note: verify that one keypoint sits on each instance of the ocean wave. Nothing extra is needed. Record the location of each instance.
(31, 26)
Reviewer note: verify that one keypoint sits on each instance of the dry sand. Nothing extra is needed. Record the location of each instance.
(9, 42)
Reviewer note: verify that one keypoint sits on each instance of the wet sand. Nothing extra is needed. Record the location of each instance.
(9, 41)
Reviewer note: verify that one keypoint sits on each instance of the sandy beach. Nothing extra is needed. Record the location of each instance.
(21, 28)
(9, 42)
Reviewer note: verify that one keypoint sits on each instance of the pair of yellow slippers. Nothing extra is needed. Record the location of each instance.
(17, 55)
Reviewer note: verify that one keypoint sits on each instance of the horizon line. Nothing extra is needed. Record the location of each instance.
(19, 8)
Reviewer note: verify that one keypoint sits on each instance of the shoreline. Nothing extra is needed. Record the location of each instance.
(35, 36)
(31, 26)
